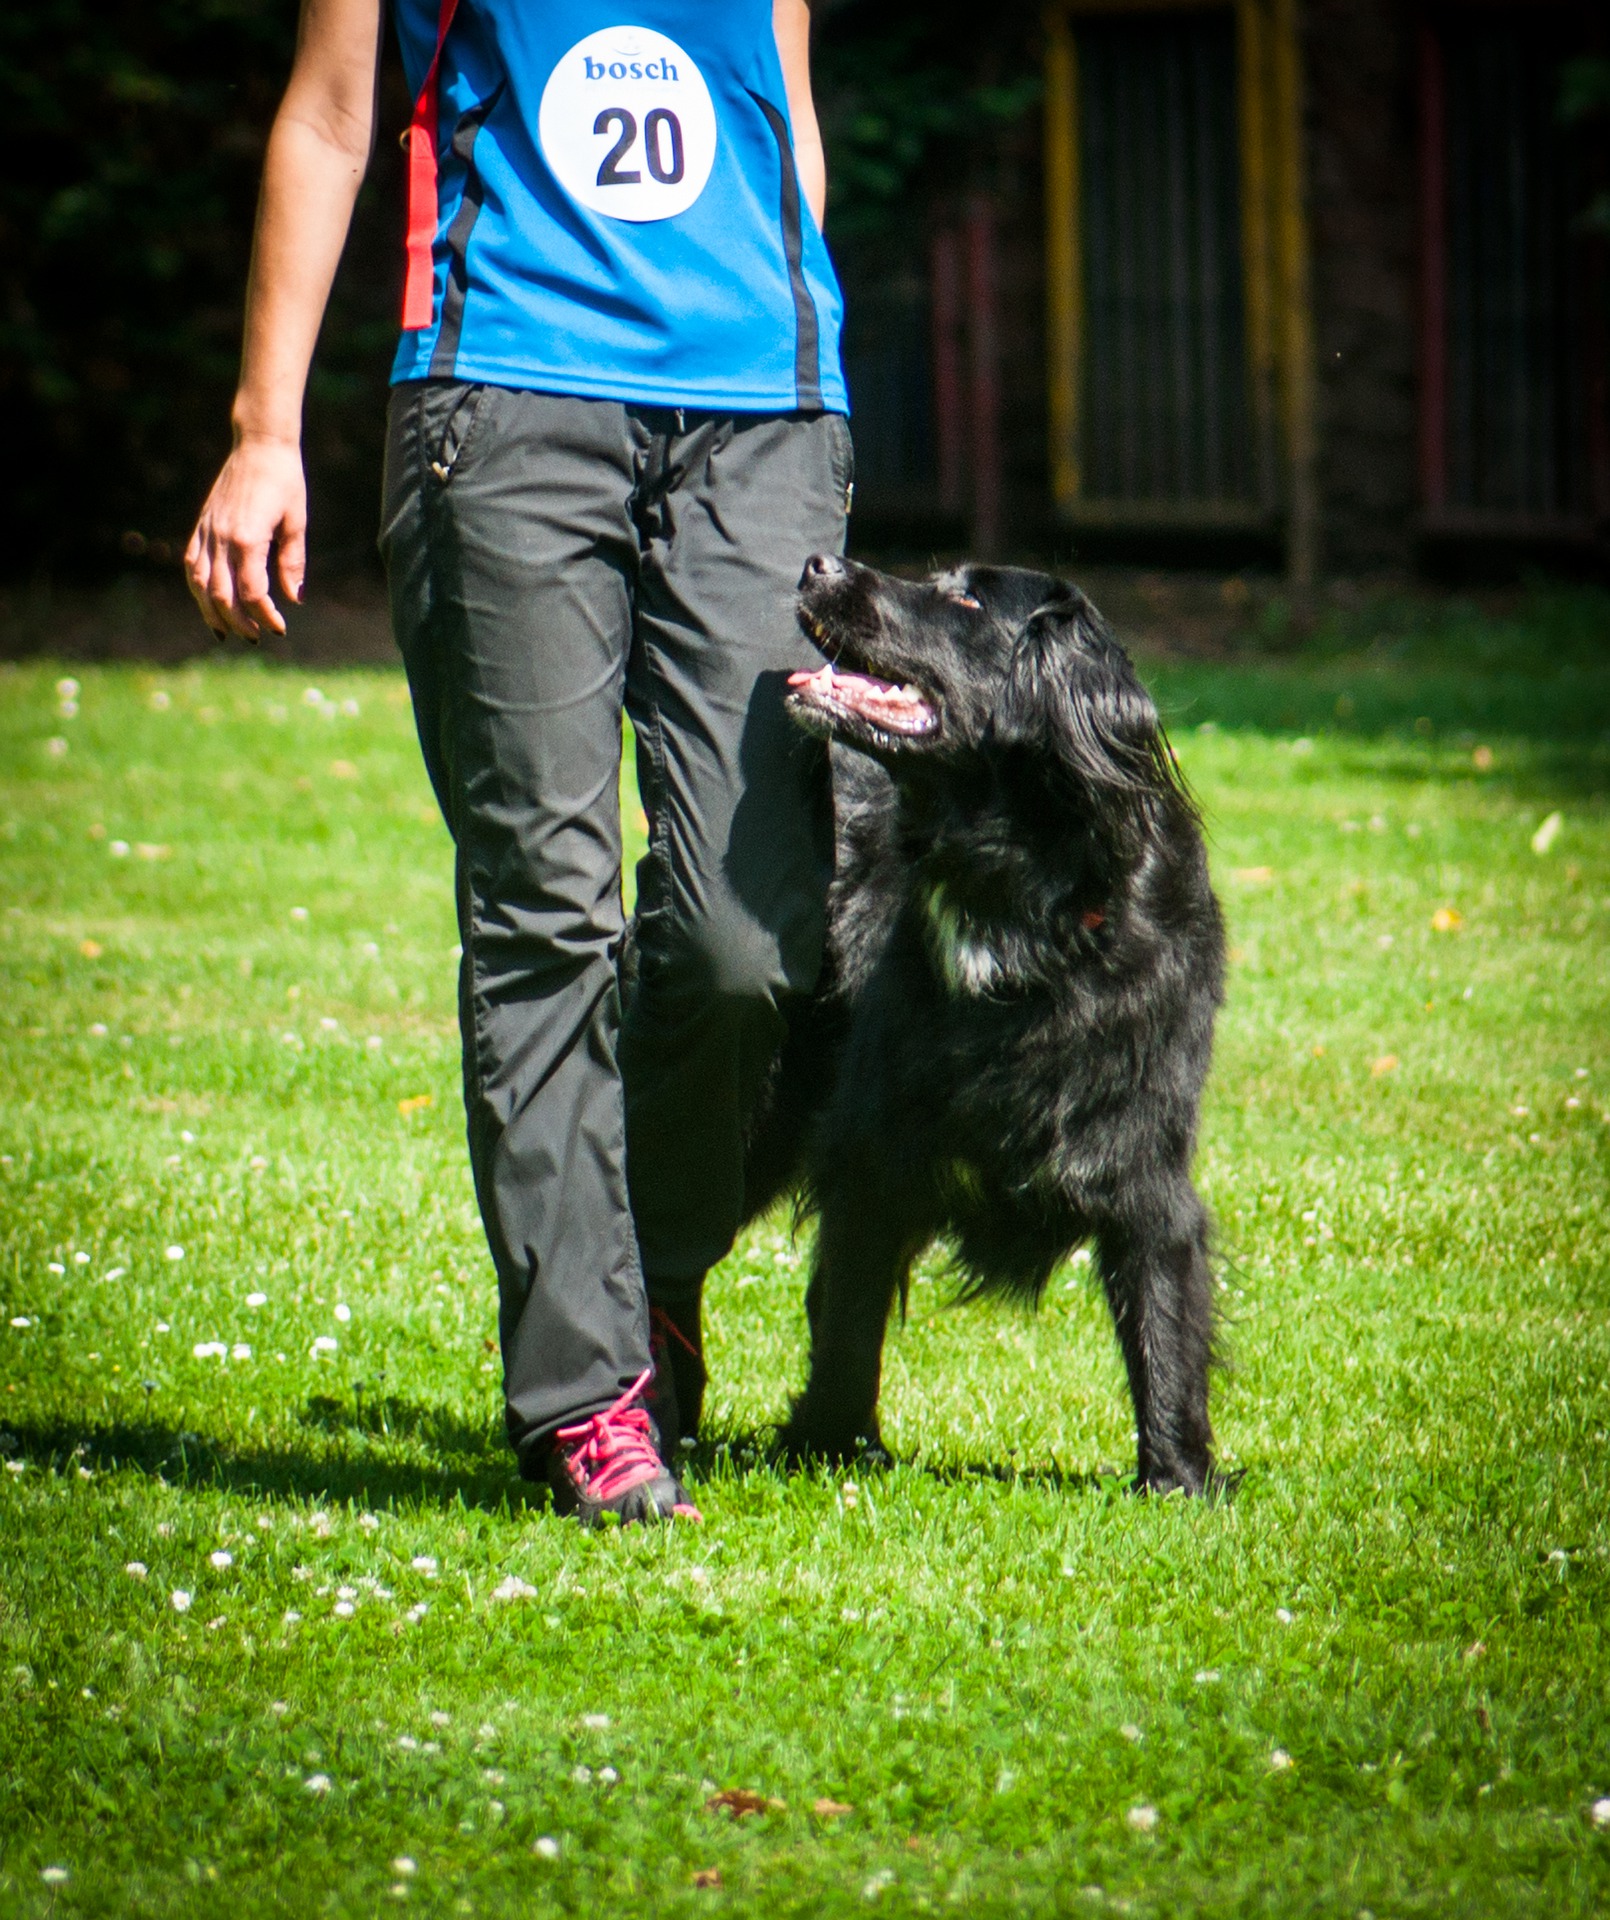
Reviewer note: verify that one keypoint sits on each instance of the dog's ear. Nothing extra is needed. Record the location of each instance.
(1071, 687)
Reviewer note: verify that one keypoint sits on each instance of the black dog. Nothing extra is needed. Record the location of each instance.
(1016, 1016)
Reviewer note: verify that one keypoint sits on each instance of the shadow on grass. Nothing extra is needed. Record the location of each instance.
(473, 1466)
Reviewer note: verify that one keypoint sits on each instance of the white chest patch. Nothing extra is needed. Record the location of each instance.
(967, 962)
(628, 126)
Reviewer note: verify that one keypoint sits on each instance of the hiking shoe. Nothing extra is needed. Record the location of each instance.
(609, 1467)
(676, 1394)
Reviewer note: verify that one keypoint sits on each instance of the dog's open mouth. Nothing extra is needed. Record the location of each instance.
(837, 694)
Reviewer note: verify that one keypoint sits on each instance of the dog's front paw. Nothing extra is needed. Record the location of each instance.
(811, 1435)
(1178, 1475)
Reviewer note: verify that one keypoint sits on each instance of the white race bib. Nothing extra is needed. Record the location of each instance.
(627, 125)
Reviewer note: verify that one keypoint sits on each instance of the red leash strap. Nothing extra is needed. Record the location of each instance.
(419, 288)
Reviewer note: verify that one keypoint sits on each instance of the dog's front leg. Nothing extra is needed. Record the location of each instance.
(862, 1255)
(1154, 1266)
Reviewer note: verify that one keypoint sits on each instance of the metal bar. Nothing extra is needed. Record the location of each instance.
(1433, 273)
(1257, 261)
(984, 397)
(1064, 268)
(1302, 539)
(950, 426)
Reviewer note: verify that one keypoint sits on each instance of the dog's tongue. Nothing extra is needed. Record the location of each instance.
(895, 709)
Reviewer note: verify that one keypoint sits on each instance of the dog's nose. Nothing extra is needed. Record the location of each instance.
(821, 568)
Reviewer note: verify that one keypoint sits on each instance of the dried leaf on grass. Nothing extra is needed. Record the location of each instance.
(830, 1809)
(740, 1802)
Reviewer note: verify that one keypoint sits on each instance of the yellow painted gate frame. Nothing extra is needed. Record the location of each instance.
(1279, 313)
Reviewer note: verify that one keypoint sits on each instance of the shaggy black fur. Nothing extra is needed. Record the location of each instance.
(1016, 1017)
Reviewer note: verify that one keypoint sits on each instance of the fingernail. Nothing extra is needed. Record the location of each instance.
(301, 590)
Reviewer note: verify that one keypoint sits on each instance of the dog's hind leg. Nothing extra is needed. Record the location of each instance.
(1154, 1266)
(863, 1253)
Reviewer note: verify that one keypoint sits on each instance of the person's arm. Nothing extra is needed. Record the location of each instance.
(791, 23)
(317, 153)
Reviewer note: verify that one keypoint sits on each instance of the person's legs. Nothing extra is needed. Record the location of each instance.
(512, 562)
(731, 896)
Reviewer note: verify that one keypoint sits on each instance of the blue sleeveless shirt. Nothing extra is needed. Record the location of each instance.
(619, 213)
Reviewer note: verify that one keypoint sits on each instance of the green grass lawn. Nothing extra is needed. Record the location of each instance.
(246, 1356)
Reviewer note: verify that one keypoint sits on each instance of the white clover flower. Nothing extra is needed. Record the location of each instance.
(116, 1273)
(1284, 1615)
(317, 1783)
(582, 1776)
(323, 1344)
(299, 913)
(374, 1043)
(1130, 1731)
(1280, 1760)
(369, 1521)
(16, 1466)
(607, 1774)
(161, 701)
(343, 1312)
(513, 1588)
(440, 1719)
(136, 1569)
(221, 1559)
(240, 1351)
(80, 1259)
(53, 1876)
(54, 1266)
(163, 1327)
(209, 1350)
(547, 1848)
(118, 849)
(291, 1616)
(595, 1722)
(417, 1613)
(1599, 1813)
(98, 1029)
(879, 1884)
(312, 697)
(408, 1743)
(56, 748)
(350, 708)
(403, 1865)
(279, 1707)
(179, 1600)
(20, 1321)
(423, 1563)
(67, 688)
(327, 1024)
(343, 1609)
(173, 1253)
(1143, 1819)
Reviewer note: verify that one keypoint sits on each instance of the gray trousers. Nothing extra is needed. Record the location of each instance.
(551, 562)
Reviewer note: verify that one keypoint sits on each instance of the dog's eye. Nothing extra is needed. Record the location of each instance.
(969, 600)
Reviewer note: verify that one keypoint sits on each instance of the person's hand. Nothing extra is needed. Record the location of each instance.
(257, 503)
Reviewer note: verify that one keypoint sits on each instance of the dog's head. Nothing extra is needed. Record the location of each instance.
(978, 664)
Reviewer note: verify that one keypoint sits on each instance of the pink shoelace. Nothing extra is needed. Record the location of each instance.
(614, 1451)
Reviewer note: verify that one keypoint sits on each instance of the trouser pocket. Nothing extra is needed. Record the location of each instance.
(451, 412)
(841, 455)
